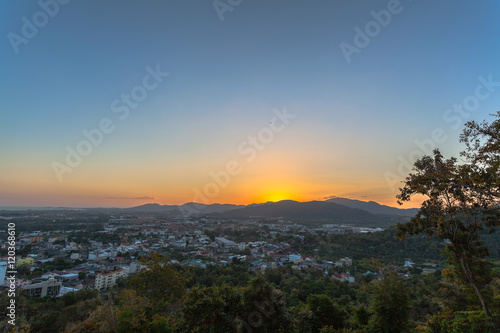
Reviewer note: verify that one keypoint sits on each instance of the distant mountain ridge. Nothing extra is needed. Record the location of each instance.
(190, 207)
(279, 208)
(314, 211)
(334, 210)
(374, 207)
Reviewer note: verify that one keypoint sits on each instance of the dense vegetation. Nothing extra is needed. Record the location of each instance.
(232, 298)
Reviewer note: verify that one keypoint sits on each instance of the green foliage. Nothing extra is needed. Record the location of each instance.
(383, 245)
(51, 314)
(264, 307)
(320, 311)
(77, 312)
(159, 281)
(103, 319)
(212, 309)
(461, 321)
(390, 304)
(233, 275)
(359, 318)
(461, 200)
(82, 295)
(131, 314)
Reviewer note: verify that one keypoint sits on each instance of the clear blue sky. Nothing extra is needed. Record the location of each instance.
(354, 121)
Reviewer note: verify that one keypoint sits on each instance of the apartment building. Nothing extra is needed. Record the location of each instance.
(49, 287)
(105, 281)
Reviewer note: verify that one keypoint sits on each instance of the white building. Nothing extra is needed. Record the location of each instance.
(50, 287)
(343, 261)
(65, 290)
(294, 257)
(226, 243)
(180, 243)
(347, 277)
(408, 263)
(107, 280)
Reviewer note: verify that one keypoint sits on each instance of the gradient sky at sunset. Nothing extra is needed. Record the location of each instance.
(262, 105)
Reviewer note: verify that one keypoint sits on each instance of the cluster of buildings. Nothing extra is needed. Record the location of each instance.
(58, 283)
(340, 229)
(98, 260)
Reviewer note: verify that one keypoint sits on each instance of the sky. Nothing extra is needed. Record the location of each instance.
(121, 103)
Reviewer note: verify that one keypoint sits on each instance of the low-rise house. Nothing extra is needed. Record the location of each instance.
(88, 284)
(347, 277)
(408, 263)
(294, 257)
(180, 243)
(343, 261)
(26, 261)
(67, 277)
(197, 263)
(226, 243)
(65, 290)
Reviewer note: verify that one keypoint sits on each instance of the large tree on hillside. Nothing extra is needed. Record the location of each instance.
(212, 309)
(159, 282)
(264, 307)
(462, 199)
(390, 303)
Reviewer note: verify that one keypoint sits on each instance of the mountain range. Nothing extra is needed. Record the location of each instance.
(374, 207)
(335, 210)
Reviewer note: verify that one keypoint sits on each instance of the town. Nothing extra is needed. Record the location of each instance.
(98, 259)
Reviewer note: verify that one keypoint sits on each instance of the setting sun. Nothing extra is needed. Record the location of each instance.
(276, 196)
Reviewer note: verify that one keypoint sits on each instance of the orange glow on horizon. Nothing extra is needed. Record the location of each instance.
(271, 177)
(276, 196)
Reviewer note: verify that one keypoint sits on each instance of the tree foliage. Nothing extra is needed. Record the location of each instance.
(159, 281)
(461, 200)
(319, 312)
(264, 307)
(390, 304)
(212, 309)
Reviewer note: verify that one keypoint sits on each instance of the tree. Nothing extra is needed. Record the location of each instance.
(461, 200)
(390, 303)
(324, 312)
(482, 143)
(103, 319)
(212, 309)
(264, 307)
(132, 313)
(159, 281)
(359, 318)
